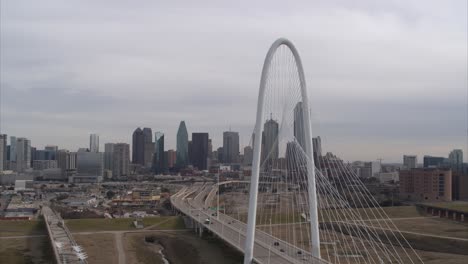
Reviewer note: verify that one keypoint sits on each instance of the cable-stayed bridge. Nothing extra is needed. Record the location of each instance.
(190, 202)
(298, 206)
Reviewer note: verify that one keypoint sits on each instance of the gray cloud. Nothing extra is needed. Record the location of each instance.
(384, 79)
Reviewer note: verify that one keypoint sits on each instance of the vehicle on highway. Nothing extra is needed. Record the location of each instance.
(207, 221)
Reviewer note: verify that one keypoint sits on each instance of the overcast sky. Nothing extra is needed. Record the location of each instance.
(384, 79)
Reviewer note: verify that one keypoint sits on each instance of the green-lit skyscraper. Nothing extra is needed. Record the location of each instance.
(182, 146)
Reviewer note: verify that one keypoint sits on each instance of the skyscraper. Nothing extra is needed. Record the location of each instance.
(317, 146)
(13, 149)
(248, 156)
(410, 161)
(231, 147)
(3, 152)
(182, 146)
(23, 154)
(138, 147)
(94, 143)
(456, 160)
(148, 147)
(159, 159)
(189, 149)
(220, 152)
(299, 125)
(270, 139)
(108, 156)
(210, 149)
(200, 150)
(296, 162)
(33, 155)
(121, 160)
(66, 161)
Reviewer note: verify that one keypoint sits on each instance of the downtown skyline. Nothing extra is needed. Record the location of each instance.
(73, 79)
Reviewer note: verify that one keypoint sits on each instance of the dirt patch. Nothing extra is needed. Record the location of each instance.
(100, 248)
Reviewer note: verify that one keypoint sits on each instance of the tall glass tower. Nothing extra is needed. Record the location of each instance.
(182, 146)
(159, 162)
(94, 143)
(270, 138)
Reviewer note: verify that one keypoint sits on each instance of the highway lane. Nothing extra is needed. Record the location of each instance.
(233, 231)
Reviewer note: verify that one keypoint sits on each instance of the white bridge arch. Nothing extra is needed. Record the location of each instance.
(249, 246)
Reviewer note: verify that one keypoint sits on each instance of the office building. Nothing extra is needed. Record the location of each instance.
(33, 155)
(317, 148)
(159, 162)
(121, 160)
(270, 140)
(108, 156)
(386, 177)
(299, 125)
(200, 150)
(455, 160)
(148, 147)
(231, 147)
(13, 149)
(138, 147)
(248, 156)
(190, 157)
(3, 152)
(210, 149)
(52, 150)
(89, 163)
(45, 154)
(220, 155)
(66, 161)
(171, 158)
(366, 169)
(23, 154)
(296, 163)
(433, 162)
(182, 146)
(410, 162)
(459, 186)
(426, 185)
(94, 143)
(44, 164)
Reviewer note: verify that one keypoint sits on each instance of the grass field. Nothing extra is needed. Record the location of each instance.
(22, 228)
(431, 226)
(457, 205)
(337, 214)
(26, 250)
(171, 223)
(122, 224)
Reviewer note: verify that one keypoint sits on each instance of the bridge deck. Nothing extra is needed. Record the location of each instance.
(233, 231)
(61, 239)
